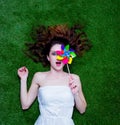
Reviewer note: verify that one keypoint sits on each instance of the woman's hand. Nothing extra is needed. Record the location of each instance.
(73, 85)
(23, 72)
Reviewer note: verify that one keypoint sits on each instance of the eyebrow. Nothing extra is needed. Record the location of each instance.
(55, 50)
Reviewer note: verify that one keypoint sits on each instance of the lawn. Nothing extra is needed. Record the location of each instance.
(99, 69)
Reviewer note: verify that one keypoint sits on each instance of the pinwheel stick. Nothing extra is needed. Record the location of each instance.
(68, 68)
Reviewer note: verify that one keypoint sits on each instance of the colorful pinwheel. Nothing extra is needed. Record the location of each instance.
(66, 54)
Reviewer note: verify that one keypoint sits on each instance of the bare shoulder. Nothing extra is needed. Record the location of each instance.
(76, 78)
(39, 76)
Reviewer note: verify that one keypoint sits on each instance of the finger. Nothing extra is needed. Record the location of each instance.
(72, 86)
(71, 81)
(75, 86)
(24, 69)
(20, 70)
(70, 77)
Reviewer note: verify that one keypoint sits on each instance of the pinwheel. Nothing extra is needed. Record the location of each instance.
(66, 55)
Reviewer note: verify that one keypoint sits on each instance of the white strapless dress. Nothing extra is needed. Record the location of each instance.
(56, 105)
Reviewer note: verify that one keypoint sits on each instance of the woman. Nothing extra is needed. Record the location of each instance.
(57, 91)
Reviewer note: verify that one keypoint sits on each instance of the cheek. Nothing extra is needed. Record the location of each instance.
(52, 58)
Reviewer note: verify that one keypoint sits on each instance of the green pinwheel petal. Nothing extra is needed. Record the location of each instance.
(72, 54)
(67, 47)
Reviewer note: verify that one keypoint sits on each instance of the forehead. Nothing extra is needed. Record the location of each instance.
(56, 47)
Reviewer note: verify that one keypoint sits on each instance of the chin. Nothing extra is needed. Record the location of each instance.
(59, 68)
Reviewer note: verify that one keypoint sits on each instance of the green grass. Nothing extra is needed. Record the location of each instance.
(99, 69)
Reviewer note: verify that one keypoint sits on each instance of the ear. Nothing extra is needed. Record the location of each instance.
(48, 58)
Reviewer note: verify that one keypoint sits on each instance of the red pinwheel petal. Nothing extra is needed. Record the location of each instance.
(62, 51)
(59, 52)
(65, 60)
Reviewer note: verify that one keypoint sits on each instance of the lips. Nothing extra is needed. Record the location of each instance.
(58, 63)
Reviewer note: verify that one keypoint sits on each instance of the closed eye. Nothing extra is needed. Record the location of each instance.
(54, 53)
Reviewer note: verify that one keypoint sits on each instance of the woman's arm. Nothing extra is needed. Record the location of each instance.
(27, 98)
(76, 88)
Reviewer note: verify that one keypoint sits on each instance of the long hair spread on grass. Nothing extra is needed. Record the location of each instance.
(44, 38)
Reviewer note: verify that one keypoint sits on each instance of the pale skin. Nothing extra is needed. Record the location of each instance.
(58, 78)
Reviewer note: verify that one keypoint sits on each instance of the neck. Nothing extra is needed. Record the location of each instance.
(56, 72)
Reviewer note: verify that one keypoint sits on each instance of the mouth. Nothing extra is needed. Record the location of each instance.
(58, 63)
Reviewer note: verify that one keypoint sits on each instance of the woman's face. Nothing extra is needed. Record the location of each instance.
(55, 64)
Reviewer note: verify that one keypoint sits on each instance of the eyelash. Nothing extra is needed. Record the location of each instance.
(54, 53)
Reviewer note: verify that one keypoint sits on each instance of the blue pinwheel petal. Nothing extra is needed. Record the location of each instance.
(72, 50)
(62, 47)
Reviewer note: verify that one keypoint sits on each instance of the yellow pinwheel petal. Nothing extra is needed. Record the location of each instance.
(70, 60)
(59, 57)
